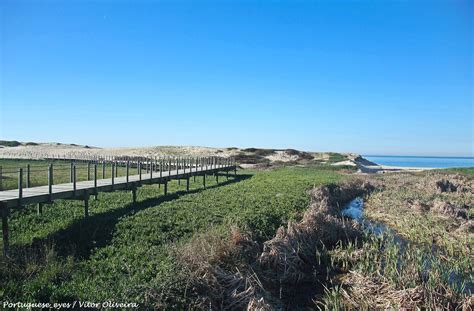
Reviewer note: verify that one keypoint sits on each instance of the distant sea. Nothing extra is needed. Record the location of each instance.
(415, 161)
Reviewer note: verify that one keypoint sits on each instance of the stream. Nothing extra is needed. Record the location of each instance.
(355, 210)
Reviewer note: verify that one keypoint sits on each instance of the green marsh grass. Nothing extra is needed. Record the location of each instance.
(122, 251)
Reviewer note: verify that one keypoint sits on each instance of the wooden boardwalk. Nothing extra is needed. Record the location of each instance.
(82, 190)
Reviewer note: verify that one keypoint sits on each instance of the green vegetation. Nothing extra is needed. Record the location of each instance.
(223, 246)
(329, 157)
(123, 252)
(336, 157)
(466, 171)
(10, 143)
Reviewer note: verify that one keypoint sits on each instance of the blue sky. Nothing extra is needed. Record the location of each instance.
(373, 77)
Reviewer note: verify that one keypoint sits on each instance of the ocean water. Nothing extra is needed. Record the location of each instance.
(414, 161)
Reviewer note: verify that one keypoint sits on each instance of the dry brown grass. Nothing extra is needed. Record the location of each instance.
(219, 274)
(233, 272)
(289, 256)
(373, 293)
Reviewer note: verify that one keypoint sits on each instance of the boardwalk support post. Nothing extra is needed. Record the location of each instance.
(5, 213)
(134, 194)
(187, 184)
(166, 187)
(86, 205)
(39, 208)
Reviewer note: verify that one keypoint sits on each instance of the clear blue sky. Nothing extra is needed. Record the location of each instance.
(373, 77)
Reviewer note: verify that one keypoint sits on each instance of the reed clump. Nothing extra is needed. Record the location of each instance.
(383, 274)
(235, 272)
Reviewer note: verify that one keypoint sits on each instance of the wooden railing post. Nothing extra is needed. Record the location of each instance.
(113, 177)
(161, 168)
(151, 170)
(103, 169)
(195, 160)
(139, 170)
(28, 180)
(128, 171)
(74, 179)
(50, 182)
(169, 167)
(70, 172)
(95, 181)
(20, 185)
(88, 170)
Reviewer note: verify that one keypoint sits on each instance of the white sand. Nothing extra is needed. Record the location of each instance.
(69, 151)
(282, 156)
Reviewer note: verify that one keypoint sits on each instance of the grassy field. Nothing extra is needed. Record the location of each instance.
(123, 252)
(186, 250)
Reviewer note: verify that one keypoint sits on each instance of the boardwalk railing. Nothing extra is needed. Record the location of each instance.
(148, 171)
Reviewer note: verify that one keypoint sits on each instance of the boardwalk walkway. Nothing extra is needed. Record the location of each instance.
(82, 190)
